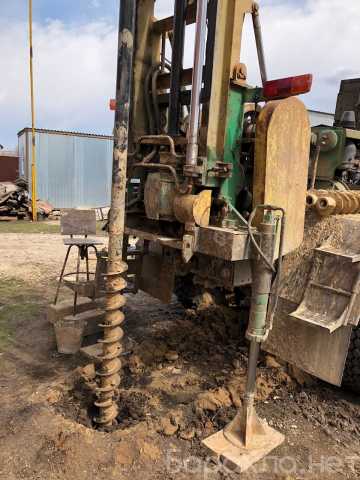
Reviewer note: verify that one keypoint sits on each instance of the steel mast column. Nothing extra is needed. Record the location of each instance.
(108, 373)
(177, 65)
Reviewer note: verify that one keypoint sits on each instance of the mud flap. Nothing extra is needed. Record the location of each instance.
(157, 277)
(311, 348)
(319, 299)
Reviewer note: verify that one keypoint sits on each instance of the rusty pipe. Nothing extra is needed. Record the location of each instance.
(181, 188)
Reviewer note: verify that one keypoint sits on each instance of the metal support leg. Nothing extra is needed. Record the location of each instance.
(62, 274)
(87, 263)
(77, 281)
(248, 438)
(177, 66)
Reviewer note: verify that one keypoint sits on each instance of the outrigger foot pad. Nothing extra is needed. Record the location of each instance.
(235, 456)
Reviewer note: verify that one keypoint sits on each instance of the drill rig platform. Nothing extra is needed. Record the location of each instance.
(217, 173)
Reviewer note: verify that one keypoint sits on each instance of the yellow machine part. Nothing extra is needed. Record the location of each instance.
(282, 150)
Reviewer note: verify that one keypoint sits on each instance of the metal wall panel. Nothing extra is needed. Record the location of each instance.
(321, 118)
(9, 167)
(73, 170)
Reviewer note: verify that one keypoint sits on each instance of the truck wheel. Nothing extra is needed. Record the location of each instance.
(352, 368)
(186, 291)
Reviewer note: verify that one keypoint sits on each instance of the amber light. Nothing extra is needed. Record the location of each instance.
(287, 87)
(112, 104)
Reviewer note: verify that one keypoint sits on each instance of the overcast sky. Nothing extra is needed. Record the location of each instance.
(75, 55)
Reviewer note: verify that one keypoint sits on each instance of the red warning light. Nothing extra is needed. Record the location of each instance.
(287, 87)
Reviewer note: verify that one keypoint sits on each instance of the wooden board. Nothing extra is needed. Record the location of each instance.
(78, 222)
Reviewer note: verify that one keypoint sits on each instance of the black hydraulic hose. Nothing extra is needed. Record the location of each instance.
(151, 101)
(154, 94)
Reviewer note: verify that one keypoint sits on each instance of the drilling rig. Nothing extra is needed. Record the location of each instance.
(217, 175)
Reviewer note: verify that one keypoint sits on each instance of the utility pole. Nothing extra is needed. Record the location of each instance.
(33, 144)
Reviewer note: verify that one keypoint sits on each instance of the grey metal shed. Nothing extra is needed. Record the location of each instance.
(73, 169)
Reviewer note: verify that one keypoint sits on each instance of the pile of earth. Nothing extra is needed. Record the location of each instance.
(186, 378)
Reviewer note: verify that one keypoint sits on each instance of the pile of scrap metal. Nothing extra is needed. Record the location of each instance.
(15, 203)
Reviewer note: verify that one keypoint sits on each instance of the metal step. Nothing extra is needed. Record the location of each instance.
(351, 257)
(331, 298)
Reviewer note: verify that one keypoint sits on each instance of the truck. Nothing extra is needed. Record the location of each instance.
(229, 192)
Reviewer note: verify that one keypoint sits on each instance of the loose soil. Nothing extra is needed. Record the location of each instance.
(182, 380)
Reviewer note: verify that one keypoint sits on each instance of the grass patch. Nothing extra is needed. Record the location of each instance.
(11, 316)
(22, 226)
(17, 292)
(19, 302)
(29, 227)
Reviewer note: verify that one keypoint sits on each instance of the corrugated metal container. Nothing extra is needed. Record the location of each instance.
(73, 169)
(9, 166)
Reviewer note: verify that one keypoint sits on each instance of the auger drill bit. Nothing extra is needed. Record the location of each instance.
(113, 333)
(108, 374)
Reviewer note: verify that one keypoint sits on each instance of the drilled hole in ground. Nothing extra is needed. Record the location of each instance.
(179, 374)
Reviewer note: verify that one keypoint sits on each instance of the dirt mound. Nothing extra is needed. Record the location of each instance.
(185, 380)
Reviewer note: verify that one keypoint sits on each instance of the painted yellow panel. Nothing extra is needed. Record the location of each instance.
(281, 163)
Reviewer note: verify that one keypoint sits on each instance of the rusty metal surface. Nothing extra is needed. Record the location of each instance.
(218, 273)
(155, 237)
(281, 163)
(159, 196)
(193, 208)
(232, 245)
(223, 243)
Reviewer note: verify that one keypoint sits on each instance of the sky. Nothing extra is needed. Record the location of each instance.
(75, 46)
